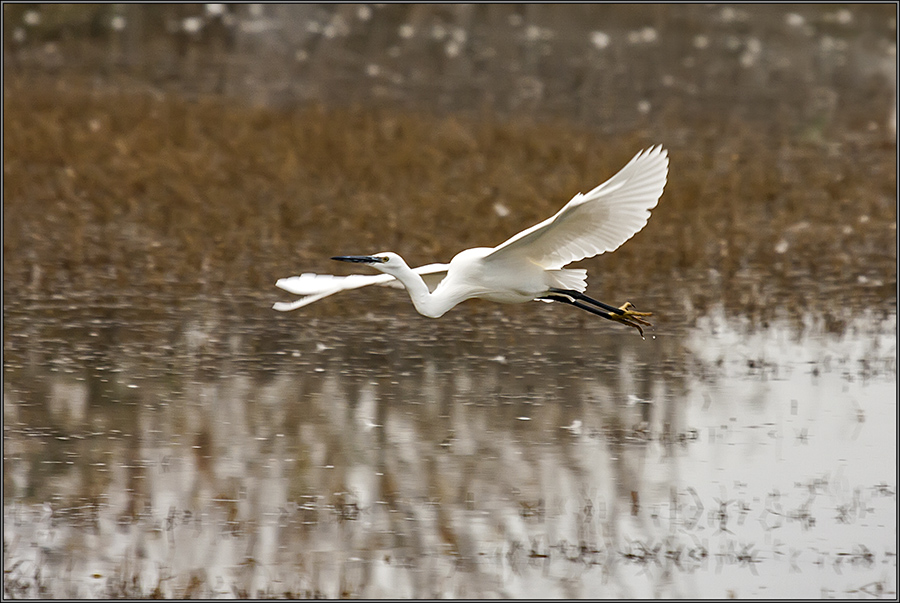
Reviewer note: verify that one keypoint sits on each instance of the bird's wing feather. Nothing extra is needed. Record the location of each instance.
(595, 222)
(314, 284)
(317, 286)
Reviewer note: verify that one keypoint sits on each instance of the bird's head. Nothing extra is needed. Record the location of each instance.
(385, 261)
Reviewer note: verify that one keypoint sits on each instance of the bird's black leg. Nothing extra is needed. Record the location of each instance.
(566, 299)
(578, 295)
(621, 314)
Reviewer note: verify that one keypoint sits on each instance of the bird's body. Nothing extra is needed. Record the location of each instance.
(528, 266)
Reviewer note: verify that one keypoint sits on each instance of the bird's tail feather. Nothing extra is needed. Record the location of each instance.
(568, 278)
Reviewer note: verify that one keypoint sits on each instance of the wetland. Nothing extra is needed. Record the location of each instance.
(166, 434)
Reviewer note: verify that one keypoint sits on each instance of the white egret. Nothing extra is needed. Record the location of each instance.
(528, 266)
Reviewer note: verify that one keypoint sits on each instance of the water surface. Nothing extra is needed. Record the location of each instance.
(467, 457)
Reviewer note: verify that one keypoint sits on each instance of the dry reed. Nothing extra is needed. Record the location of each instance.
(120, 192)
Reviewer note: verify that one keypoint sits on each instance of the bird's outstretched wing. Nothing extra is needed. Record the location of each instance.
(595, 222)
(317, 286)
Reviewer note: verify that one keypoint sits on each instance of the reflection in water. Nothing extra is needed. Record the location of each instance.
(429, 459)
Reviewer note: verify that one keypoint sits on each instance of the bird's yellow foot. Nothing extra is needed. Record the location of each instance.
(632, 318)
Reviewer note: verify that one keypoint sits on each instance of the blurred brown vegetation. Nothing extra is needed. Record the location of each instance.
(180, 150)
(114, 191)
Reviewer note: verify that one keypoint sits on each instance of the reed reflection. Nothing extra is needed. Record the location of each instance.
(377, 463)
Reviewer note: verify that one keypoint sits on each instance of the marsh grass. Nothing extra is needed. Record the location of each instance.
(117, 192)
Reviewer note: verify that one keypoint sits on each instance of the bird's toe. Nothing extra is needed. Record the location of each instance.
(632, 316)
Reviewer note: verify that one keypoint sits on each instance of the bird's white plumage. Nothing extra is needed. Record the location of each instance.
(598, 221)
(313, 284)
(526, 266)
(317, 286)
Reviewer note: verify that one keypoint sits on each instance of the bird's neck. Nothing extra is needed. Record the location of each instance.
(425, 302)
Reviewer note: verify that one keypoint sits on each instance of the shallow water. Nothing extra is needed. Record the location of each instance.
(151, 454)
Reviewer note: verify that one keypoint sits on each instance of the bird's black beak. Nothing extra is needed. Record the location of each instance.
(360, 259)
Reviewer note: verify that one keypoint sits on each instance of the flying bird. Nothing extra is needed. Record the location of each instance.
(526, 267)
